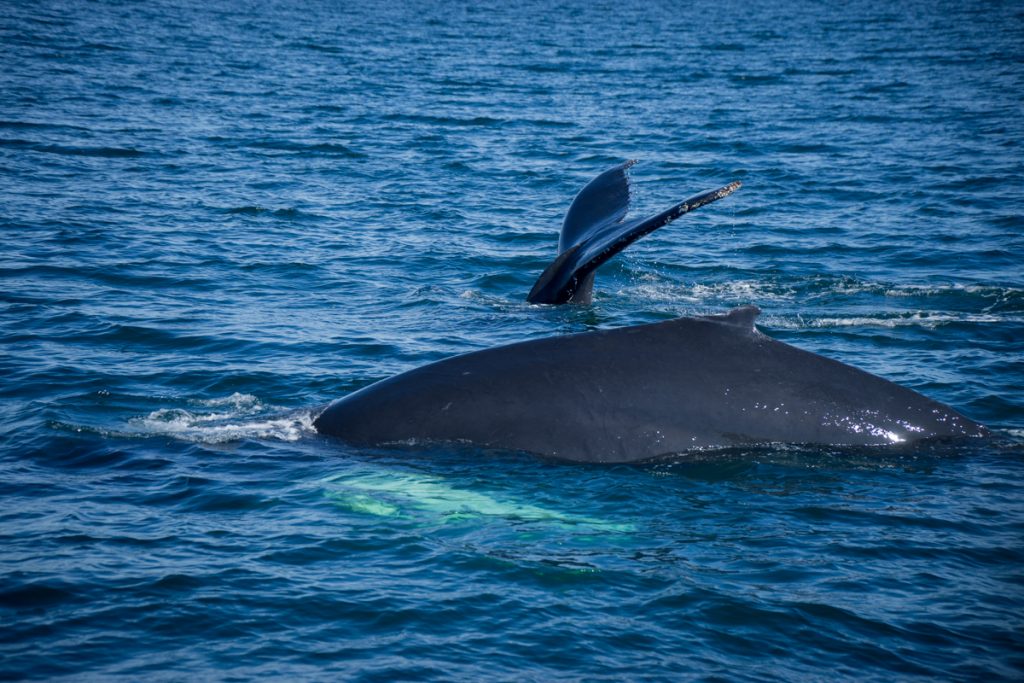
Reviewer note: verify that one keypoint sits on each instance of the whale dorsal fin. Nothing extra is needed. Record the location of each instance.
(594, 231)
(742, 317)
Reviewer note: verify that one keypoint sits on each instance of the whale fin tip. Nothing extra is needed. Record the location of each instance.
(742, 317)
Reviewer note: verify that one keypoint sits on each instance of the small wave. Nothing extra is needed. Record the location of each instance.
(102, 152)
(219, 420)
(910, 290)
(756, 79)
(40, 126)
(255, 210)
(724, 47)
(446, 120)
(545, 68)
(326, 148)
(317, 47)
(103, 47)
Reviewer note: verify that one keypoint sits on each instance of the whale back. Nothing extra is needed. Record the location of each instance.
(635, 393)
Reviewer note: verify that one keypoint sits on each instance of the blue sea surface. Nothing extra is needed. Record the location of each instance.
(217, 217)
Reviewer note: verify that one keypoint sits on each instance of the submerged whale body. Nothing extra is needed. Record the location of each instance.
(636, 393)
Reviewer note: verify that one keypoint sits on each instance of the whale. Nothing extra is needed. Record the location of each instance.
(642, 392)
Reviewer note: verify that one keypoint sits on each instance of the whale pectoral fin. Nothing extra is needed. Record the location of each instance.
(569, 277)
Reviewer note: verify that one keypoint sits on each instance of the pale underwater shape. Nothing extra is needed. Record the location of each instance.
(385, 493)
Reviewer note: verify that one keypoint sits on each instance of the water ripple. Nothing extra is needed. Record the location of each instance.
(216, 218)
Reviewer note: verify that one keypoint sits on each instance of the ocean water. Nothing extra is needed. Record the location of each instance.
(217, 217)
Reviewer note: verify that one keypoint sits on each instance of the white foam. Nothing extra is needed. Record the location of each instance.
(917, 319)
(236, 400)
(651, 288)
(239, 416)
(746, 290)
(911, 290)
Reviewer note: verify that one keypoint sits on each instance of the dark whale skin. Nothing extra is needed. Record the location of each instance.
(637, 393)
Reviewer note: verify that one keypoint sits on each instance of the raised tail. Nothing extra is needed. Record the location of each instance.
(595, 230)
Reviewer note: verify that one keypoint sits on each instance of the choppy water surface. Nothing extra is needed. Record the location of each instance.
(217, 217)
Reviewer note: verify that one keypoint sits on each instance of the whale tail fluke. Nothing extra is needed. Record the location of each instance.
(595, 230)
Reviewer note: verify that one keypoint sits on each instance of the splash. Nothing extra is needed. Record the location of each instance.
(220, 420)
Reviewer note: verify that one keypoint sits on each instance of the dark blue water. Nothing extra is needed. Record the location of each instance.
(219, 216)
